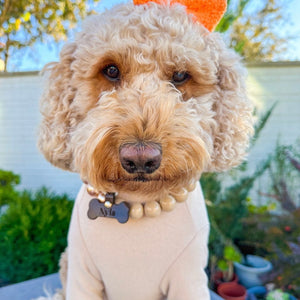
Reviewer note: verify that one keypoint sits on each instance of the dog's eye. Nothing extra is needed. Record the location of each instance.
(112, 73)
(180, 77)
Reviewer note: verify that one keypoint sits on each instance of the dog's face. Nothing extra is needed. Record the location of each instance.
(145, 100)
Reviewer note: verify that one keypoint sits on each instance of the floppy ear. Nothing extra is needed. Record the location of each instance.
(233, 111)
(58, 94)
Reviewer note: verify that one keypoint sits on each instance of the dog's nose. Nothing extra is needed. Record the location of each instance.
(140, 158)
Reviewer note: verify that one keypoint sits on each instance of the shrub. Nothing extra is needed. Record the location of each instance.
(277, 236)
(33, 233)
(227, 203)
(8, 182)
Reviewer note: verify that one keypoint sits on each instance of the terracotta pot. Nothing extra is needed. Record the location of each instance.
(218, 279)
(232, 291)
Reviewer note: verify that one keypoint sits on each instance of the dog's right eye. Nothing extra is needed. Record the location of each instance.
(112, 73)
(180, 78)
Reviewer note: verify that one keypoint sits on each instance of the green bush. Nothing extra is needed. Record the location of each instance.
(238, 224)
(277, 235)
(8, 182)
(33, 233)
(227, 196)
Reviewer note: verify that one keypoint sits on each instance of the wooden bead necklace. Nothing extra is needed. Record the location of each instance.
(103, 205)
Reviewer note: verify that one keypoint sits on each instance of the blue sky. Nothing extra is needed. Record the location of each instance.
(41, 54)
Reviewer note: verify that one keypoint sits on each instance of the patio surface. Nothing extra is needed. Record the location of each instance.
(31, 289)
(35, 288)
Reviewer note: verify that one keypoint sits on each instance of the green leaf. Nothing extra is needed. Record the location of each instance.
(231, 254)
(222, 265)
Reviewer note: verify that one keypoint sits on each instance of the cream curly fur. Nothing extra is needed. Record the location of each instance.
(148, 45)
(202, 125)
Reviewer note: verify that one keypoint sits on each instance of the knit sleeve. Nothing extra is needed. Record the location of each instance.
(83, 279)
(186, 278)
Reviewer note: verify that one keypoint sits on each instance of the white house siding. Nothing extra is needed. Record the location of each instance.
(270, 83)
(19, 118)
(267, 84)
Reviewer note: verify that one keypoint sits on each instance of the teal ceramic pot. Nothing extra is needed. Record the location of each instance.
(251, 269)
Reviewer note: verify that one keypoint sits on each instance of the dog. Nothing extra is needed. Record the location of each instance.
(143, 102)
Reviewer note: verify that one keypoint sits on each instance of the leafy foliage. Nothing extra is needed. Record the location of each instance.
(231, 200)
(252, 28)
(226, 264)
(259, 126)
(8, 182)
(227, 203)
(22, 23)
(33, 233)
(240, 226)
(284, 172)
(231, 15)
(277, 236)
(254, 32)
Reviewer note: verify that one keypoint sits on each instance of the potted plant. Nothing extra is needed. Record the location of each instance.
(251, 269)
(232, 291)
(276, 236)
(279, 294)
(226, 267)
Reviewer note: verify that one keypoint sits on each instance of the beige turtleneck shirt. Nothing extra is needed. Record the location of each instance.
(147, 259)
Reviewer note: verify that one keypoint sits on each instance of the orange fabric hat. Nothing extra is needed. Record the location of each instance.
(207, 12)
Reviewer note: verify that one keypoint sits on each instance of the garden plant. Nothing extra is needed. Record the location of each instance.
(33, 230)
(270, 230)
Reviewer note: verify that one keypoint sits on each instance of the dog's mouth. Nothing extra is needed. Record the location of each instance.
(139, 178)
(139, 183)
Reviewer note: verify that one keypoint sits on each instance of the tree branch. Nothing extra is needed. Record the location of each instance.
(3, 14)
(293, 161)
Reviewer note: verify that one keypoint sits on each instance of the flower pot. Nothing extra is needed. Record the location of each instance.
(232, 291)
(259, 291)
(249, 274)
(218, 279)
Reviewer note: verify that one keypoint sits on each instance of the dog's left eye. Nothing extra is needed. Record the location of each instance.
(112, 73)
(180, 77)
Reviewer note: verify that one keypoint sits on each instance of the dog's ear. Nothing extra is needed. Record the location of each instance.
(55, 102)
(233, 112)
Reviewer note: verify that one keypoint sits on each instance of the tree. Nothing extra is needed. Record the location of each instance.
(252, 28)
(22, 22)
(255, 35)
(250, 25)
(232, 14)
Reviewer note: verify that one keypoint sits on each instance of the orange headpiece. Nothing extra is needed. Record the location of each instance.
(207, 12)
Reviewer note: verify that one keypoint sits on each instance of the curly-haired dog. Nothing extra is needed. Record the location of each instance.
(141, 103)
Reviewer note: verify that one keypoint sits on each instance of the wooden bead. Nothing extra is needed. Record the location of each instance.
(168, 203)
(152, 209)
(191, 186)
(136, 211)
(181, 196)
(107, 204)
(91, 191)
(101, 197)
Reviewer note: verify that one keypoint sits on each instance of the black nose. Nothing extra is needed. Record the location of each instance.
(140, 158)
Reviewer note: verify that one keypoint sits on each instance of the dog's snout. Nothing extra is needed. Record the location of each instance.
(140, 158)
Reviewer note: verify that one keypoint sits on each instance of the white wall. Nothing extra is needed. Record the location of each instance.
(270, 83)
(19, 118)
(267, 84)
